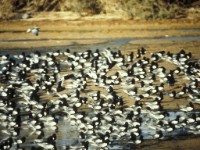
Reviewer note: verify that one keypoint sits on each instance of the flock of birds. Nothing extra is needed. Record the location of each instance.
(85, 89)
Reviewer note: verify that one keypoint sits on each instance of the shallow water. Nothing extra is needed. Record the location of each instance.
(68, 135)
(113, 43)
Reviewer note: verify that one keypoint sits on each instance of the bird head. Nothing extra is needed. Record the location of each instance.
(28, 30)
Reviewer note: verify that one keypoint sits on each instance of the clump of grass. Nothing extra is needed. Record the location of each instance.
(150, 9)
(6, 8)
(40, 5)
(90, 6)
(79, 6)
(19, 6)
(83, 6)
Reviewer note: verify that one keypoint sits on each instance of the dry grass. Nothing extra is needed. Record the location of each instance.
(6, 9)
(151, 9)
(133, 9)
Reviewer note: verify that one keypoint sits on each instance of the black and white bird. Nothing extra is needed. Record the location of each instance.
(34, 30)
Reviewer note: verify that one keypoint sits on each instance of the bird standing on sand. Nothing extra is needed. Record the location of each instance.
(34, 30)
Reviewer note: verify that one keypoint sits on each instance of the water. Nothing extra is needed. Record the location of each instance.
(68, 135)
(113, 43)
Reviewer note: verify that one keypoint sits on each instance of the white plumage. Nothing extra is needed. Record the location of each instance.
(34, 30)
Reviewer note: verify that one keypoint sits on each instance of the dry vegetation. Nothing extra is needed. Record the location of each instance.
(132, 9)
